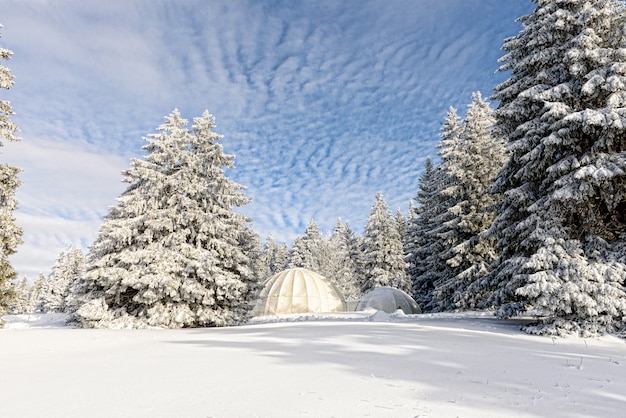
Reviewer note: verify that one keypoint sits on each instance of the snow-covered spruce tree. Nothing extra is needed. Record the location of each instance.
(21, 304)
(68, 268)
(250, 244)
(429, 230)
(10, 233)
(170, 254)
(343, 235)
(401, 222)
(275, 257)
(450, 193)
(263, 270)
(38, 289)
(315, 252)
(383, 252)
(418, 243)
(342, 268)
(310, 251)
(561, 226)
(478, 156)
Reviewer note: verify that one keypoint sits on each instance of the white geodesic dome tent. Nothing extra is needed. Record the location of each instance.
(298, 290)
(389, 300)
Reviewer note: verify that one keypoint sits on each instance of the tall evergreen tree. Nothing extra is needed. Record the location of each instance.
(430, 227)
(275, 257)
(170, 253)
(10, 233)
(383, 252)
(21, 304)
(401, 222)
(450, 192)
(310, 251)
(327, 256)
(68, 268)
(250, 244)
(477, 158)
(38, 289)
(418, 242)
(342, 268)
(561, 226)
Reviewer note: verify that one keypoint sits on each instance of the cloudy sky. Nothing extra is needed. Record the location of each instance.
(324, 103)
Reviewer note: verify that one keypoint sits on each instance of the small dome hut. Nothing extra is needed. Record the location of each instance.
(298, 290)
(389, 300)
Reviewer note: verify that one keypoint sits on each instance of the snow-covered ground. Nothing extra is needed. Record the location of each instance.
(445, 365)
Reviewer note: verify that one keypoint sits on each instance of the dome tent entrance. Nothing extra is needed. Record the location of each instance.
(389, 300)
(298, 290)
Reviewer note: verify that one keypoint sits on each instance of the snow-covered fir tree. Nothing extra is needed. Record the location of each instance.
(170, 253)
(22, 303)
(275, 257)
(342, 267)
(310, 251)
(429, 230)
(450, 193)
(68, 268)
(325, 256)
(418, 242)
(8, 129)
(561, 227)
(471, 165)
(251, 245)
(10, 233)
(383, 252)
(401, 222)
(38, 289)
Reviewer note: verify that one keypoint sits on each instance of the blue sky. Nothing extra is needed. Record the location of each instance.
(323, 103)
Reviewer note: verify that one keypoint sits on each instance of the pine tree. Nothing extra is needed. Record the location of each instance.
(275, 257)
(327, 256)
(68, 268)
(38, 289)
(21, 304)
(22, 296)
(10, 233)
(342, 268)
(419, 244)
(561, 226)
(383, 252)
(8, 129)
(471, 166)
(250, 244)
(310, 251)
(449, 194)
(401, 222)
(170, 253)
(431, 231)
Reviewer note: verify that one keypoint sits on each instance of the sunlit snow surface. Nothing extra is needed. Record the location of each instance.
(349, 365)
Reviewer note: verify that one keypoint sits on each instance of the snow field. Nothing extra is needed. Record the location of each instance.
(466, 365)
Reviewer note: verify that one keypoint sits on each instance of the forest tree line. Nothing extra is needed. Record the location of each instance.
(523, 212)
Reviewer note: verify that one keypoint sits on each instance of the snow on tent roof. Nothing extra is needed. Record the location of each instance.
(389, 300)
(298, 290)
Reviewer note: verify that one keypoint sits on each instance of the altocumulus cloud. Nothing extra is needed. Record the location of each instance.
(324, 103)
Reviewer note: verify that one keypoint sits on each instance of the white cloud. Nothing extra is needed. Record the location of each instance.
(65, 193)
(323, 103)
